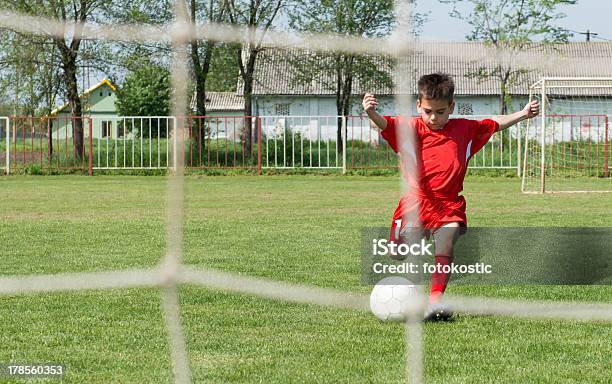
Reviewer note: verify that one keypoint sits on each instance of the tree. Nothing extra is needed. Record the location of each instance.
(224, 71)
(343, 17)
(118, 59)
(252, 14)
(511, 26)
(202, 51)
(67, 47)
(30, 67)
(77, 11)
(145, 92)
(31, 78)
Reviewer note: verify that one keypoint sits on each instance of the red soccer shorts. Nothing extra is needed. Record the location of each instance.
(433, 213)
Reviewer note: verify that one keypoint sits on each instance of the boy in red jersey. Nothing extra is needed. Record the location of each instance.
(444, 148)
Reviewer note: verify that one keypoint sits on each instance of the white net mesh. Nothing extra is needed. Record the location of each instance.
(172, 272)
(567, 149)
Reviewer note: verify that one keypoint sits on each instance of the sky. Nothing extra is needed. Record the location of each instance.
(585, 14)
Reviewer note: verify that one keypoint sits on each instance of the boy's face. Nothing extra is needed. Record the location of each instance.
(435, 112)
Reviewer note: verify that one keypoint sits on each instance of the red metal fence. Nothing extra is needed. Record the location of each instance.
(219, 142)
(64, 143)
(46, 143)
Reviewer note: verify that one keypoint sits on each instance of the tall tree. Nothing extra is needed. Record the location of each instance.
(345, 17)
(68, 47)
(30, 70)
(202, 51)
(254, 14)
(224, 72)
(511, 26)
(29, 66)
(120, 58)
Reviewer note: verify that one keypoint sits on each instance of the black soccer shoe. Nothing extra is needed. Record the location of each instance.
(438, 312)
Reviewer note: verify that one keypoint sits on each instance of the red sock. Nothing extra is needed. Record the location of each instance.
(439, 279)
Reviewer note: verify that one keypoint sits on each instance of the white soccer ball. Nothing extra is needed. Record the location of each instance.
(393, 298)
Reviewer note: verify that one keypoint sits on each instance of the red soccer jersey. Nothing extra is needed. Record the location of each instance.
(444, 154)
(442, 158)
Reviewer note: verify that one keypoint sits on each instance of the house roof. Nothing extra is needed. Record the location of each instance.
(275, 74)
(87, 92)
(220, 101)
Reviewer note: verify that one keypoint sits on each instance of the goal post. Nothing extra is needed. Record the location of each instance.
(567, 148)
(6, 134)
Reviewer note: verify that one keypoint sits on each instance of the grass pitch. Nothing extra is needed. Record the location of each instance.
(303, 229)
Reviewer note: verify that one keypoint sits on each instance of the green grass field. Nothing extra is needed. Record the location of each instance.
(302, 229)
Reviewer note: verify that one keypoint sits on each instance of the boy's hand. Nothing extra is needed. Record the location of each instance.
(369, 106)
(532, 109)
(369, 102)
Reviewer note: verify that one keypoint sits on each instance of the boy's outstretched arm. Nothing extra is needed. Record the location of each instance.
(531, 110)
(369, 106)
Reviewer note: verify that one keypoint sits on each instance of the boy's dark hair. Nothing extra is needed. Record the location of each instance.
(436, 86)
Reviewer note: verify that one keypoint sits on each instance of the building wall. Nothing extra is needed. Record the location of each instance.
(100, 105)
(586, 118)
(580, 106)
(326, 105)
(100, 119)
(102, 100)
(316, 126)
(225, 124)
(62, 125)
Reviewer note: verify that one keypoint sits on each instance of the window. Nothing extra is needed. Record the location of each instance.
(107, 129)
(282, 109)
(100, 93)
(465, 109)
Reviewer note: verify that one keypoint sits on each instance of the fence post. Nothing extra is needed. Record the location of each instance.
(543, 139)
(8, 144)
(519, 127)
(606, 148)
(49, 141)
(174, 143)
(90, 148)
(344, 127)
(258, 146)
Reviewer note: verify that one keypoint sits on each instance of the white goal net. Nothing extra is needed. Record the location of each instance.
(548, 150)
(567, 148)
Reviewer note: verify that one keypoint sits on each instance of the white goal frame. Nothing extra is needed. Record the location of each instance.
(542, 88)
(7, 155)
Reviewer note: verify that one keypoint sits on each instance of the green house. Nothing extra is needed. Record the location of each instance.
(98, 104)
